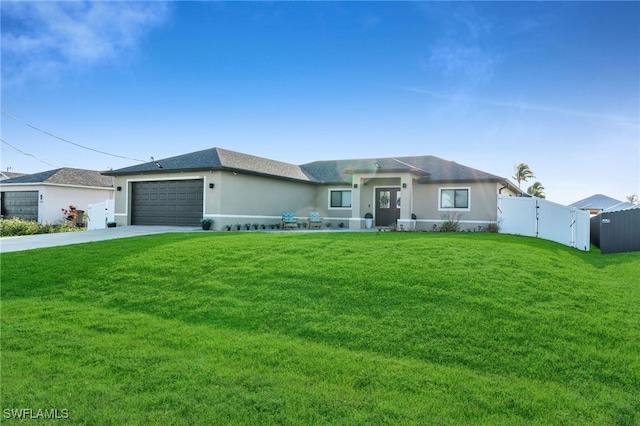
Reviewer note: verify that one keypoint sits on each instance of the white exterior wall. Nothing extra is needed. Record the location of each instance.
(52, 198)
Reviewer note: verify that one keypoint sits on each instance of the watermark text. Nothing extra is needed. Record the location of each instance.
(33, 413)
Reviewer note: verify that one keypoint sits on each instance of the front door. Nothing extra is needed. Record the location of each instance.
(387, 206)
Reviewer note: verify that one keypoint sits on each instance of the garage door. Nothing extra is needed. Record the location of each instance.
(20, 204)
(167, 202)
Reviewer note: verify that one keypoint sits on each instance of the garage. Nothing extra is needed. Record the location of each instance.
(167, 202)
(20, 204)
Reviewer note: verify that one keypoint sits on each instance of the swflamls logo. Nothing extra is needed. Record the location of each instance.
(30, 413)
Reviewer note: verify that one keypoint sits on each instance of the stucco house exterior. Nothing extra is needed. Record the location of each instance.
(41, 196)
(232, 187)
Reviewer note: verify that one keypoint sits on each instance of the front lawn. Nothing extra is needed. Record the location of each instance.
(329, 328)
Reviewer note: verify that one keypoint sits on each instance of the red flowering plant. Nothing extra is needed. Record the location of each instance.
(70, 215)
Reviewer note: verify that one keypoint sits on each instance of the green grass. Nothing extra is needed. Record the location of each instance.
(324, 328)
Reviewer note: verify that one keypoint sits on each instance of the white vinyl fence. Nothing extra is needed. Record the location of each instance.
(535, 217)
(101, 213)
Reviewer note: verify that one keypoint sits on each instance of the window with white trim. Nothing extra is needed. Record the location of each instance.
(340, 199)
(454, 198)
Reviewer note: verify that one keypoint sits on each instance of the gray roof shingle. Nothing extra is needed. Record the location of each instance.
(603, 203)
(427, 168)
(596, 202)
(217, 159)
(64, 176)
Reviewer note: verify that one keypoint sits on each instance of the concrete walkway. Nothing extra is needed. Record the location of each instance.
(29, 242)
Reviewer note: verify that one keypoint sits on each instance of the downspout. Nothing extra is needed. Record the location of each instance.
(506, 185)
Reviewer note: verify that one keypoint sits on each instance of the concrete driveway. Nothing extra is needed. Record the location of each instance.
(29, 242)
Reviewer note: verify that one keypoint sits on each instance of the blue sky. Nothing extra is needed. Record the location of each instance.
(485, 84)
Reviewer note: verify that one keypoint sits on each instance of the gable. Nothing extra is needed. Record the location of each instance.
(428, 168)
(217, 159)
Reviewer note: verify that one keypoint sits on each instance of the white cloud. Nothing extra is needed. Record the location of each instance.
(462, 54)
(469, 63)
(44, 39)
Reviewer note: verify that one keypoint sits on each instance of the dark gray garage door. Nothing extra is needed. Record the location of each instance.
(167, 202)
(20, 204)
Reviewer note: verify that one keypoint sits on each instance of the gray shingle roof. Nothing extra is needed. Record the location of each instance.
(428, 168)
(217, 159)
(64, 176)
(604, 204)
(596, 202)
(622, 206)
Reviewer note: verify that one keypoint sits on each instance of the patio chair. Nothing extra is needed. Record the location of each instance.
(289, 220)
(315, 221)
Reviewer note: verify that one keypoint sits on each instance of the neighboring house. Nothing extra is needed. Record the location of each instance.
(41, 196)
(232, 187)
(9, 175)
(599, 203)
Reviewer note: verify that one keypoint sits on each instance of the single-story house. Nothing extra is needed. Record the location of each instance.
(232, 187)
(41, 196)
(599, 203)
(10, 175)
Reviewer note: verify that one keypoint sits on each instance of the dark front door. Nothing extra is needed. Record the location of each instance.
(387, 206)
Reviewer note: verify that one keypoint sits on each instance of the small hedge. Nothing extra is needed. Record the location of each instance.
(15, 227)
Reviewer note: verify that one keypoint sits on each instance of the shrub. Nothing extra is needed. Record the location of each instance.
(492, 227)
(70, 215)
(451, 222)
(450, 226)
(15, 227)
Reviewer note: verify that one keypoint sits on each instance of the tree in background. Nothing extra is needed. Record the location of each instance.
(522, 173)
(537, 190)
(633, 198)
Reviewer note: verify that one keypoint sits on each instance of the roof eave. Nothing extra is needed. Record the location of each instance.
(208, 169)
(70, 185)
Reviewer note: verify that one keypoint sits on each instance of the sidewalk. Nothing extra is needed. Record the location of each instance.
(29, 242)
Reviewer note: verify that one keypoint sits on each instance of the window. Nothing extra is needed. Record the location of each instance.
(340, 199)
(454, 198)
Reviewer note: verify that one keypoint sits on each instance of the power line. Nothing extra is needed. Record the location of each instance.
(68, 141)
(27, 154)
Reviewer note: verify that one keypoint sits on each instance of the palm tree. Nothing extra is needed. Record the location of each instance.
(537, 190)
(522, 173)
